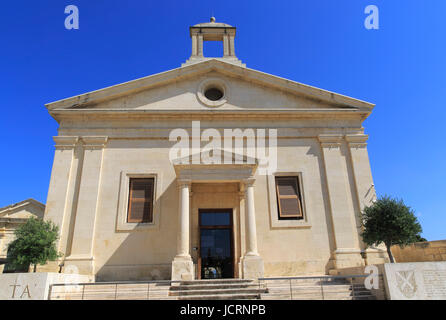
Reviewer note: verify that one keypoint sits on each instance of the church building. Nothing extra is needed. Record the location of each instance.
(211, 170)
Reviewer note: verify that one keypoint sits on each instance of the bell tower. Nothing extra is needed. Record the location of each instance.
(213, 31)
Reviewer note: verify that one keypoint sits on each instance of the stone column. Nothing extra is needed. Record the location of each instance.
(231, 45)
(182, 265)
(194, 45)
(252, 263)
(200, 45)
(226, 51)
(82, 240)
(347, 253)
(251, 232)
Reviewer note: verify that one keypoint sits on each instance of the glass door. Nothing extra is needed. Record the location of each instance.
(216, 259)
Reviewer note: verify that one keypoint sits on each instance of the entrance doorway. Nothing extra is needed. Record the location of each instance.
(216, 251)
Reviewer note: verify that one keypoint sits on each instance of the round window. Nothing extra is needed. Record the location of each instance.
(213, 94)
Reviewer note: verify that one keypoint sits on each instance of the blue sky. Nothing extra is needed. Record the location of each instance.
(401, 67)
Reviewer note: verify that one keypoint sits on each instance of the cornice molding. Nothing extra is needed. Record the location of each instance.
(330, 140)
(94, 142)
(65, 142)
(225, 68)
(357, 141)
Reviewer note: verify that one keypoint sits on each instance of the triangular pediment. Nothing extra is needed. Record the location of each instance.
(179, 90)
(210, 157)
(204, 166)
(23, 210)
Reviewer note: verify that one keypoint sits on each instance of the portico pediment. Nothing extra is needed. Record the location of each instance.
(231, 167)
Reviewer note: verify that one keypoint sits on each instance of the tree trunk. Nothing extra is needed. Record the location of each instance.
(389, 252)
(35, 268)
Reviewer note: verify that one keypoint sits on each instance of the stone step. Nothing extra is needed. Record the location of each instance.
(214, 281)
(216, 292)
(241, 296)
(215, 286)
(284, 296)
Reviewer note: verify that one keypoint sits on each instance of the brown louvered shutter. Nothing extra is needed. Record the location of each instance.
(288, 197)
(140, 200)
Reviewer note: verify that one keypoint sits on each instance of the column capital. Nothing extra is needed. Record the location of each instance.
(330, 140)
(94, 142)
(184, 182)
(357, 140)
(249, 182)
(65, 142)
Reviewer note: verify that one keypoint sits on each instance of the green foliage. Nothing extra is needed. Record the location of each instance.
(391, 222)
(420, 239)
(35, 243)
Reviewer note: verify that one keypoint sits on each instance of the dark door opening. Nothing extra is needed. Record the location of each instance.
(216, 258)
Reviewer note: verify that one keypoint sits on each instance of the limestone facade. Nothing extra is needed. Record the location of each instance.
(109, 136)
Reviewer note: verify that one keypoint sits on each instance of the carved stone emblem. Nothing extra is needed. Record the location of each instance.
(406, 283)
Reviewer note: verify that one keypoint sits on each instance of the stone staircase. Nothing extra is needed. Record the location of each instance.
(316, 289)
(112, 291)
(311, 288)
(221, 289)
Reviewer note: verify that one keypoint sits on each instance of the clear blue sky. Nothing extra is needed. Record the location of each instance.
(401, 67)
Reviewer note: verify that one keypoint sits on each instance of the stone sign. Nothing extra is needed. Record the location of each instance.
(415, 280)
(34, 286)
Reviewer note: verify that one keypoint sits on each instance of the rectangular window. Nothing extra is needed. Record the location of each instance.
(289, 200)
(140, 209)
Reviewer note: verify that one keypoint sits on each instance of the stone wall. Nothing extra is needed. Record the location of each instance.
(421, 252)
(35, 286)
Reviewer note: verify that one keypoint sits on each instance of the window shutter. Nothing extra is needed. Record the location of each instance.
(140, 208)
(288, 197)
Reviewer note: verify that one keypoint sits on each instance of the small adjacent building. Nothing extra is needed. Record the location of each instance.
(12, 217)
(144, 186)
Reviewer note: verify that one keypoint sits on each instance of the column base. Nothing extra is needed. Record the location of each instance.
(348, 258)
(79, 264)
(50, 266)
(376, 256)
(182, 269)
(252, 267)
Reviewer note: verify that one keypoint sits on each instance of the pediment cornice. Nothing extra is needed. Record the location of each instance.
(11, 209)
(81, 103)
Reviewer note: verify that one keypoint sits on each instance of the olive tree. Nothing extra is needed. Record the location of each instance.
(391, 222)
(35, 243)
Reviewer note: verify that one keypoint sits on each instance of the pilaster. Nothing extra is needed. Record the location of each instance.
(347, 253)
(60, 188)
(81, 251)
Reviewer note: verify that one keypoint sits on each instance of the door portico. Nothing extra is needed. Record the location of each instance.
(236, 183)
